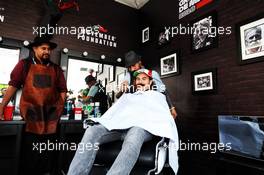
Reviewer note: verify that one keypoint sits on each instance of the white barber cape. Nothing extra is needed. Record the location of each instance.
(148, 110)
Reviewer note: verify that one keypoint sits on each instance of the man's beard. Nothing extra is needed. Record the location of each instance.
(45, 60)
(143, 87)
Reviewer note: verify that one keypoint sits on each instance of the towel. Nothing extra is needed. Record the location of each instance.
(148, 110)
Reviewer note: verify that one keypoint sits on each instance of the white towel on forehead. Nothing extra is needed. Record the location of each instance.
(148, 110)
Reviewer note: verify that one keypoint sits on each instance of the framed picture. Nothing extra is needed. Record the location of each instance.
(111, 95)
(104, 82)
(100, 69)
(120, 77)
(250, 35)
(169, 65)
(145, 35)
(204, 81)
(111, 74)
(204, 33)
(163, 38)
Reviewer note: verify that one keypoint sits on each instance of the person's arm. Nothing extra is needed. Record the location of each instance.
(171, 106)
(11, 90)
(123, 89)
(63, 96)
(124, 85)
(92, 92)
(16, 81)
(162, 88)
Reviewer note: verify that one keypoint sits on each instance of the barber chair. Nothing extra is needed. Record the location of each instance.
(151, 160)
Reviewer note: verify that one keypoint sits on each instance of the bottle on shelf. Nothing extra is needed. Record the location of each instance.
(78, 110)
(97, 112)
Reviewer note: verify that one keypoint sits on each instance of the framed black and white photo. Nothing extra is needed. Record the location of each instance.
(250, 35)
(100, 69)
(204, 81)
(120, 77)
(204, 33)
(104, 82)
(169, 65)
(111, 74)
(163, 38)
(145, 35)
(111, 95)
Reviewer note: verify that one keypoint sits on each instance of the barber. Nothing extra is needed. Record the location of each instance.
(41, 104)
(133, 63)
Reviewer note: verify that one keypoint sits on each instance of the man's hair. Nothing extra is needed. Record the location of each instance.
(151, 86)
(89, 79)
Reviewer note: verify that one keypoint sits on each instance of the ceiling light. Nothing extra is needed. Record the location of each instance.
(119, 60)
(85, 53)
(26, 43)
(102, 57)
(65, 50)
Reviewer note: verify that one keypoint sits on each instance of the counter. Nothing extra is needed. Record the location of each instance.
(11, 134)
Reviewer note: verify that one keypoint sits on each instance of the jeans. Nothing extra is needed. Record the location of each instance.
(98, 134)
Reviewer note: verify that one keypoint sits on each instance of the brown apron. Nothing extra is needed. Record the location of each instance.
(41, 103)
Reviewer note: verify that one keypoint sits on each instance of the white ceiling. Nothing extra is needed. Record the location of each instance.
(137, 4)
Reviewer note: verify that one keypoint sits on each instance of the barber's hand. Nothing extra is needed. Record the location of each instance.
(124, 86)
(1, 112)
(173, 112)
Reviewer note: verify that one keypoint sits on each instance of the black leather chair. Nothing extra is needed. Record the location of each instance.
(151, 159)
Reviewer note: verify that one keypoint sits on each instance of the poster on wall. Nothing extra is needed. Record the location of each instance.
(145, 35)
(169, 65)
(187, 7)
(250, 34)
(204, 81)
(163, 38)
(204, 36)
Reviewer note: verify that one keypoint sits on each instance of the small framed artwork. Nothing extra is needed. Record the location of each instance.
(250, 35)
(111, 95)
(204, 33)
(145, 35)
(169, 65)
(163, 38)
(104, 82)
(111, 74)
(204, 81)
(120, 77)
(100, 68)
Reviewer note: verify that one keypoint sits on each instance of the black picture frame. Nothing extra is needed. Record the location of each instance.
(163, 38)
(111, 94)
(111, 74)
(204, 81)
(170, 65)
(145, 36)
(100, 68)
(206, 40)
(104, 82)
(244, 31)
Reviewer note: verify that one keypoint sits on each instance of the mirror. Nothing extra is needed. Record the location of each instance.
(78, 68)
(11, 50)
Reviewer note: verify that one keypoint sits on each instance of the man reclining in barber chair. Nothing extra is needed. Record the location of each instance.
(134, 118)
